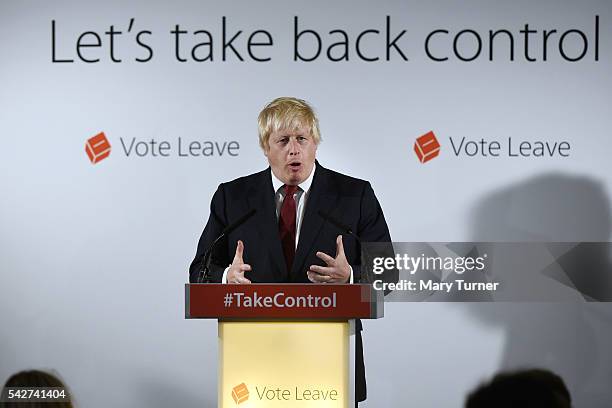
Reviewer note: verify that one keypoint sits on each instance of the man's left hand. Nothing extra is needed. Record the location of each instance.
(337, 270)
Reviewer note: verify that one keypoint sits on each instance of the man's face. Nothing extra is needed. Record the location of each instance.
(291, 154)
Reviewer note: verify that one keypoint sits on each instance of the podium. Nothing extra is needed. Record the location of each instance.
(284, 345)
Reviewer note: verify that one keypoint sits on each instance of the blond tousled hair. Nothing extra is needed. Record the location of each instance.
(287, 113)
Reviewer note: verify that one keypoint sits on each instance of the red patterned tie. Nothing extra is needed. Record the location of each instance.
(286, 225)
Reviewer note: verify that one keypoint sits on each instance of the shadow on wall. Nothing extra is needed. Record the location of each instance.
(552, 207)
(572, 339)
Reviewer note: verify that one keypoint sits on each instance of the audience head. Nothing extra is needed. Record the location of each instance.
(35, 378)
(534, 388)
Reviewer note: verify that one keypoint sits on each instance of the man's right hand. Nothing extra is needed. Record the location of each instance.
(235, 273)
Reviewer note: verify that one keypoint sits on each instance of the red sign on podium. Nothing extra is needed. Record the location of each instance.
(283, 301)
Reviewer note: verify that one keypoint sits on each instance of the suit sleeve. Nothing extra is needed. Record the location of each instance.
(373, 228)
(220, 258)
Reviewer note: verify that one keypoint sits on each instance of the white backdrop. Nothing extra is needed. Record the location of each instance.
(93, 258)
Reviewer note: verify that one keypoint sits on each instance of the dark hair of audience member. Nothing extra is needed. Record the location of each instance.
(35, 378)
(521, 389)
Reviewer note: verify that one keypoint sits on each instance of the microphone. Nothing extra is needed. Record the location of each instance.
(344, 228)
(364, 276)
(347, 230)
(204, 275)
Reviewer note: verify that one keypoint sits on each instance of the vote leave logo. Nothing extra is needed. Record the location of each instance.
(97, 148)
(526, 147)
(427, 147)
(240, 393)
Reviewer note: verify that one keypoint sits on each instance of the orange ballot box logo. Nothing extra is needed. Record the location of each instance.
(98, 148)
(240, 393)
(427, 147)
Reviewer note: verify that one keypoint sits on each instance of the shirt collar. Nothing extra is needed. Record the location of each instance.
(304, 185)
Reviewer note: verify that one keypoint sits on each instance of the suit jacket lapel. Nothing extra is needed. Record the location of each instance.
(319, 199)
(262, 198)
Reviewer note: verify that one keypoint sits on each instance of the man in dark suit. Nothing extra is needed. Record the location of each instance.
(287, 239)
